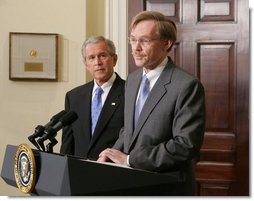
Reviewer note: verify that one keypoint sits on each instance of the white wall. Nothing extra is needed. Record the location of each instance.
(23, 105)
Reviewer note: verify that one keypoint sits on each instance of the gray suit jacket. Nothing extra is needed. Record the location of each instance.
(170, 129)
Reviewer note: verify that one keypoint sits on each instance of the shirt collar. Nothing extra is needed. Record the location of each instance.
(156, 71)
(106, 85)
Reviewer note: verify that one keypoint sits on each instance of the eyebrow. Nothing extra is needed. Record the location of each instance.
(143, 36)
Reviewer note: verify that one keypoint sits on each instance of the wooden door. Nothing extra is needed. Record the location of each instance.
(213, 44)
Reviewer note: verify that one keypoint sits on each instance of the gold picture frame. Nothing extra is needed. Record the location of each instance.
(33, 56)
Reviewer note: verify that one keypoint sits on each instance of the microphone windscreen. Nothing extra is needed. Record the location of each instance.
(59, 115)
(68, 118)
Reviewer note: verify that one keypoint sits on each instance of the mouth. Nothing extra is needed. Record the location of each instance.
(137, 55)
(99, 70)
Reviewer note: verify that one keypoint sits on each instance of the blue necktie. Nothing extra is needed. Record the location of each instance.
(96, 107)
(143, 94)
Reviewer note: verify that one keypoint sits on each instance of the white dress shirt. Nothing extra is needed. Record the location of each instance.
(105, 87)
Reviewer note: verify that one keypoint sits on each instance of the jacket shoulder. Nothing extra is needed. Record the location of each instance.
(81, 88)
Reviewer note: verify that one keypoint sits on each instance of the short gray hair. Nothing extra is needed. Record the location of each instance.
(96, 39)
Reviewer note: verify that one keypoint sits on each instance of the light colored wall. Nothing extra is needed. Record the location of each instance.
(116, 28)
(95, 21)
(23, 105)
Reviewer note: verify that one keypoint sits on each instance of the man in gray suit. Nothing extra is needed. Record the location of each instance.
(169, 131)
(84, 138)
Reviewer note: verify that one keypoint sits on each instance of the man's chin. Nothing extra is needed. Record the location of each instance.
(139, 64)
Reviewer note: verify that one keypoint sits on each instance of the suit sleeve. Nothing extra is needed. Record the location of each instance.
(67, 146)
(119, 144)
(187, 134)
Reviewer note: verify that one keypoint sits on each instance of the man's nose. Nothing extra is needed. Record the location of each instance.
(137, 45)
(97, 60)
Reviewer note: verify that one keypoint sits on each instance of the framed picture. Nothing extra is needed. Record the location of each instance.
(33, 56)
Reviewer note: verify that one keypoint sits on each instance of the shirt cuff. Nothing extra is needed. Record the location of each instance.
(128, 164)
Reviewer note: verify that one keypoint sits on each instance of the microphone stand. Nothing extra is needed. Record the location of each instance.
(39, 130)
(48, 134)
(50, 145)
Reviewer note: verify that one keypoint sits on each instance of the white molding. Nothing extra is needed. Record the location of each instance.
(116, 22)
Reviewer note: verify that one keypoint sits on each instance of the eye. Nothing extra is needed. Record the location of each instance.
(90, 58)
(132, 40)
(102, 55)
(145, 42)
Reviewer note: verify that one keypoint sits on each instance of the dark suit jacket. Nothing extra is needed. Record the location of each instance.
(76, 139)
(170, 130)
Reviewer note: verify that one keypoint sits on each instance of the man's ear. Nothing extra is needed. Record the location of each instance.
(169, 44)
(115, 57)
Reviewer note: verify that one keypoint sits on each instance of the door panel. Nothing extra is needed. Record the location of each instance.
(213, 44)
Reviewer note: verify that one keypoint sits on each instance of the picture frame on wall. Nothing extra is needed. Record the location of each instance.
(33, 56)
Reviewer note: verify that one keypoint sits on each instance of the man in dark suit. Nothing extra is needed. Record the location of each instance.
(80, 139)
(168, 132)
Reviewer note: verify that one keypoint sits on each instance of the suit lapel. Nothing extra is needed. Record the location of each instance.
(132, 84)
(111, 104)
(131, 95)
(85, 111)
(156, 94)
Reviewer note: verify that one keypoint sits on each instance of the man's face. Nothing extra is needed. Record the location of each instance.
(147, 49)
(99, 62)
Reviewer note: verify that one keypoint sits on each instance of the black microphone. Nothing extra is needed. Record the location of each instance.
(39, 130)
(55, 118)
(51, 131)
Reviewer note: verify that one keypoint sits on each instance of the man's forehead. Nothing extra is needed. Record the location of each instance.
(96, 48)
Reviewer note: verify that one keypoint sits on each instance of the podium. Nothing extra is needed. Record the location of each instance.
(63, 175)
